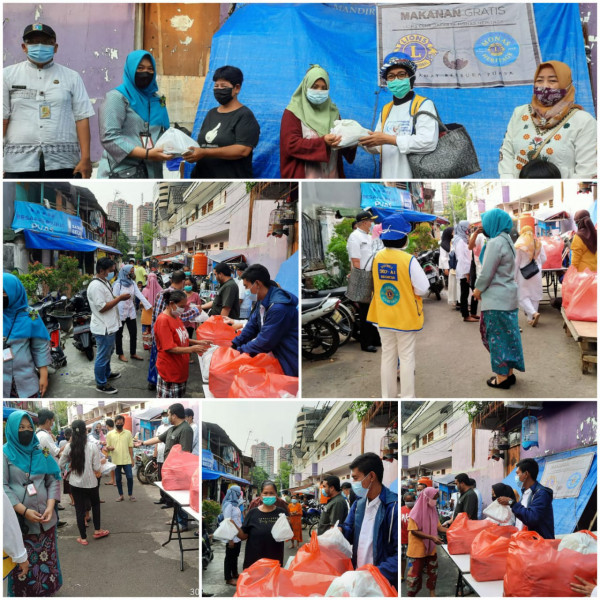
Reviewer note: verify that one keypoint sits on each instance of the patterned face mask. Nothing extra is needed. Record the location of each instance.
(549, 96)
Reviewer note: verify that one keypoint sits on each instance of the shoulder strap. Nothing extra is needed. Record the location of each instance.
(553, 133)
(385, 113)
(416, 104)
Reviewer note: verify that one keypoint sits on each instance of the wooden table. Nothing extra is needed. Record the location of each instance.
(585, 333)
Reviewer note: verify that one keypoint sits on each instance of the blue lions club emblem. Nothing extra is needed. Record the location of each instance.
(389, 294)
(496, 49)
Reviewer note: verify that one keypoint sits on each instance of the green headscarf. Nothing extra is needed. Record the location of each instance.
(318, 117)
(494, 223)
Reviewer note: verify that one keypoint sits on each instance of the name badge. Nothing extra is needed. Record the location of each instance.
(146, 140)
(31, 491)
(7, 354)
(45, 112)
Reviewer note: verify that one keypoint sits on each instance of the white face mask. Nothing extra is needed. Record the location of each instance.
(178, 311)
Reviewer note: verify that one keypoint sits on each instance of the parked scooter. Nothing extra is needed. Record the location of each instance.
(320, 338)
(429, 263)
(44, 309)
(83, 338)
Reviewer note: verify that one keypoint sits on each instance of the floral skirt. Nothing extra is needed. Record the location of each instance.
(500, 335)
(44, 577)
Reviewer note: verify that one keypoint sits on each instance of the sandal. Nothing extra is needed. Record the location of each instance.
(132, 499)
(82, 542)
(120, 499)
(123, 358)
(102, 533)
(493, 382)
(136, 357)
(536, 318)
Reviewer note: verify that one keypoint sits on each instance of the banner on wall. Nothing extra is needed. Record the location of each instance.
(566, 476)
(462, 45)
(380, 196)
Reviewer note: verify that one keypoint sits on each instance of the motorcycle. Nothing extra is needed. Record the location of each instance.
(320, 338)
(207, 551)
(147, 467)
(428, 262)
(83, 339)
(44, 307)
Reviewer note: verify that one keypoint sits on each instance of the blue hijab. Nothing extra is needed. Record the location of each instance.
(123, 278)
(18, 321)
(145, 101)
(23, 456)
(233, 497)
(494, 223)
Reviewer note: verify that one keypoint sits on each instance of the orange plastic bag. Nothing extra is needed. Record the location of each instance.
(226, 364)
(216, 331)
(489, 551)
(252, 382)
(387, 589)
(462, 532)
(534, 567)
(195, 491)
(266, 578)
(580, 294)
(553, 247)
(178, 469)
(311, 559)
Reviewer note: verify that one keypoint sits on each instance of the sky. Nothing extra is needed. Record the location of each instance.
(268, 421)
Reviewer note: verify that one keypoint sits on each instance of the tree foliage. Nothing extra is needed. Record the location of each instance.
(257, 476)
(123, 244)
(421, 239)
(146, 238)
(283, 477)
(337, 254)
(456, 209)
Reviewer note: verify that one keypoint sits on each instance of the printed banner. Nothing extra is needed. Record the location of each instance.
(37, 217)
(565, 476)
(462, 45)
(380, 196)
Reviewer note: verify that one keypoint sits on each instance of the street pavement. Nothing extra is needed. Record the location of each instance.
(76, 379)
(130, 561)
(451, 362)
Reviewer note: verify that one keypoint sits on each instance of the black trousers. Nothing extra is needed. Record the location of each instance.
(369, 336)
(464, 299)
(81, 497)
(231, 560)
(163, 496)
(132, 328)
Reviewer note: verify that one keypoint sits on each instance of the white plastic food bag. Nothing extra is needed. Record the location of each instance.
(356, 584)
(498, 512)
(334, 538)
(107, 467)
(226, 531)
(351, 131)
(580, 542)
(282, 531)
(204, 360)
(173, 141)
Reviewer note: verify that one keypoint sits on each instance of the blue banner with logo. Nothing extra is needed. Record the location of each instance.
(38, 218)
(375, 195)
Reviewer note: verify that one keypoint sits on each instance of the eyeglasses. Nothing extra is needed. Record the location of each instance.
(392, 77)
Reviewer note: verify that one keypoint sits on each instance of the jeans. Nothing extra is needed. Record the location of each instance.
(104, 348)
(81, 497)
(128, 474)
(182, 517)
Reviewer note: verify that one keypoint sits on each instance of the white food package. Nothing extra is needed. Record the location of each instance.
(173, 141)
(204, 361)
(355, 584)
(580, 542)
(107, 467)
(498, 512)
(226, 531)
(282, 531)
(351, 131)
(334, 538)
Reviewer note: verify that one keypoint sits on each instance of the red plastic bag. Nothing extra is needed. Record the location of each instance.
(252, 382)
(553, 247)
(489, 551)
(266, 578)
(580, 294)
(178, 469)
(226, 364)
(195, 491)
(462, 532)
(534, 567)
(216, 331)
(311, 559)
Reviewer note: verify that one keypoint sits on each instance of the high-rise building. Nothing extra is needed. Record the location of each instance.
(264, 456)
(145, 214)
(121, 211)
(285, 454)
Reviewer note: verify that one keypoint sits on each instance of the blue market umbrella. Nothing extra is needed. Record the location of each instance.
(287, 276)
(394, 486)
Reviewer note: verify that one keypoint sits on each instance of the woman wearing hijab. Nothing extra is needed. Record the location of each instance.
(131, 120)
(497, 289)
(529, 248)
(32, 483)
(551, 127)
(423, 527)
(150, 292)
(229, 132)
(26, 344)
(125, 284)
(500, 490)
(585, 243)
(445, 248)
(306, 148)
(463, 272)
(231, 510)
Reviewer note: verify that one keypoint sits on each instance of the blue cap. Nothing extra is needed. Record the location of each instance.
(394, 228)
(398, 59)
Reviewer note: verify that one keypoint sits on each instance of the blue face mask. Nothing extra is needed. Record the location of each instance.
(399, 87)
(40, 53)
(324, 493)
(187, 288)
(269, 500)
(317, 96)
(110, 275)
(165, 420)
(358, 489)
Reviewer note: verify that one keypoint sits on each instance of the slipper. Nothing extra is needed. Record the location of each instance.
(492, 382)
(82, 542)
(120, 499)
(102, 501)
(136, 357)
(132, 499)
(536, 318)
(71, 503)
(471, 319)
(123, 358)
(108, 483)
(102, 533)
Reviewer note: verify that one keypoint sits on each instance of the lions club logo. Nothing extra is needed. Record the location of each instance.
(496, 49)
(389, 294)
(418, 47)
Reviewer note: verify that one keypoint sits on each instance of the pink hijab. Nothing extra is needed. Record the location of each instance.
(425, 516)
(152, 289)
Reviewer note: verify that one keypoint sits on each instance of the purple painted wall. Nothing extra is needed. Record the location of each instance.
(93, 39)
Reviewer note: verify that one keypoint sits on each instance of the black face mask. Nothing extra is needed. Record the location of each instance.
(223, 95)
(25, 437)
(143, 79)
(5, 302)
(119, 427)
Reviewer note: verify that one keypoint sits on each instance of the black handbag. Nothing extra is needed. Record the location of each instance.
(139, 171)
(452, 260)
(528, 271)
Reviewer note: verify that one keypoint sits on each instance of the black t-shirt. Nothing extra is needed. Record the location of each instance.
(181, 434)
(226, 129)
(228, 295)
(468, 503)
(260, 542)
(335, 510)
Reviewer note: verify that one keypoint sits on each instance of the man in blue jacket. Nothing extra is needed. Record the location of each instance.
(273, 323)
(535, 508)
(372, 524)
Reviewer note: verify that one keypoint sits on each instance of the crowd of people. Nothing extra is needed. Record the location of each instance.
(551, 136)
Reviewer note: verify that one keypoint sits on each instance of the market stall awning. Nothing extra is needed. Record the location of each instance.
(412, 216)
(53, 241)
(210, 475)
(226, 256)
(551, 214)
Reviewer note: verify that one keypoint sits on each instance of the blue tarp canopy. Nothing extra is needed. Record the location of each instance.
(412, 216)
(210, 475)
(63, 241)
(287, 276)
(278, 42)
(7, 411)
(567, 511)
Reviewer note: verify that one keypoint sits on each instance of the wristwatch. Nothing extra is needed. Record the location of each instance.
(511, 502)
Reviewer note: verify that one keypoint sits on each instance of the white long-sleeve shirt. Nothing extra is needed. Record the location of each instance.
(418, 278)
(13, 538)
(463, 256)
(127, 307)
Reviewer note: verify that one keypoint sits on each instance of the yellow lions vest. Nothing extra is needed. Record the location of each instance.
(394, 304)
(8, 565)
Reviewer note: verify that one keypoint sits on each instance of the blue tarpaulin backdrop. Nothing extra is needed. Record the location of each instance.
(274, 44)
